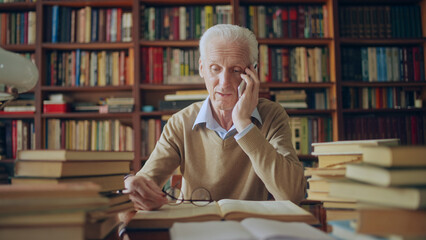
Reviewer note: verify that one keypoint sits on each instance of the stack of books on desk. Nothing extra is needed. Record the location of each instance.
(333, 158)
(390, 188)
(104, 168)
(51, 211)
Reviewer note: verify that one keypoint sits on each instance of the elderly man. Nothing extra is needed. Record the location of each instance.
(233, 146)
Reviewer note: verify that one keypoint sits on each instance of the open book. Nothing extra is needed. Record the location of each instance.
(228, 209)
(249, 228)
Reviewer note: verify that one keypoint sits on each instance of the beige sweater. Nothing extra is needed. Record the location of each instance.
(245, 169)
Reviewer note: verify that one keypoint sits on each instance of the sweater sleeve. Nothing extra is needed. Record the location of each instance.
(274, 159)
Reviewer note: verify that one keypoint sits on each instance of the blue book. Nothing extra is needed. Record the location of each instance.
(95, 23)
(384, 64)
(77, 67)
(22, 28)
(364, 64)
(55, 12)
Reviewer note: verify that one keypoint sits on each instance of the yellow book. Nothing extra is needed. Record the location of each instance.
(208, 9)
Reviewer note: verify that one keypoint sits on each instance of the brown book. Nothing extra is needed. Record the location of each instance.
(391, 221)
(101, 229)
(228, 209)
(56, 169)
(106, 182)
(74, 155)
(50, 198)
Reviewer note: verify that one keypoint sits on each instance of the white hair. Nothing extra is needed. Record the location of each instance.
(231, 33)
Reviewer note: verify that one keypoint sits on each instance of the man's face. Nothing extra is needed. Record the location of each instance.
(221, 69)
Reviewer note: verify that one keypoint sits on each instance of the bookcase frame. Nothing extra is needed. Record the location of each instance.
(138, 90)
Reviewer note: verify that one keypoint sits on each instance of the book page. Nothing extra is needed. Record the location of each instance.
(270, 229)
(261, 207)
(183, 210)
(210, 230)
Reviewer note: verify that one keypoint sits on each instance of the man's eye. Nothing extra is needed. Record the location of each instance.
(215, 69)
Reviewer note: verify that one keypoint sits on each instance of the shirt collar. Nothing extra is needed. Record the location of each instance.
(206, 116)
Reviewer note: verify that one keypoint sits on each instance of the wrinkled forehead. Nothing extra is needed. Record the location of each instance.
(220, 50)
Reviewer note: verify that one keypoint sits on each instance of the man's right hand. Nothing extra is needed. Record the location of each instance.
(145, 194)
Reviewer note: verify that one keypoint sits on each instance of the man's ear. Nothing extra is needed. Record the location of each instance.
(200, 68)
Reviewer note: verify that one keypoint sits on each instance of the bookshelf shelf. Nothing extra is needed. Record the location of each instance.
(15, 115)
(93, 3)
(297, 85)
(385, 41)
(86, 89)
(84, 115)
(160, 87)
(384, 110)
(18, 6)
(19, 47)
(87, 46)
(155, 114)
(164, 43)
(297, 41)
(281, 2)
(309, 112)
(383, 84)
(183, 2)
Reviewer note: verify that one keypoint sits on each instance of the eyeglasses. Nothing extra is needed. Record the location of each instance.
(199, 197)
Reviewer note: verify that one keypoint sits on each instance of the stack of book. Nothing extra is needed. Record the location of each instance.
(48, 211)
(182, 99)
(291, 98)
(118, 104)
(57, 103)
(333, 158)
(104, 168)
(389, 186)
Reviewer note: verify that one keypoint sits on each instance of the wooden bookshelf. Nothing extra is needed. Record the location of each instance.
(149, 94)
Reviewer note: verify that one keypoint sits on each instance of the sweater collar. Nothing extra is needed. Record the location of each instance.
(205, 115)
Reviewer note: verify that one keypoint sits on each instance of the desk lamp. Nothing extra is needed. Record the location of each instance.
(17, 75)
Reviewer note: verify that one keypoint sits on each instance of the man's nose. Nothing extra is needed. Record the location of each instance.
(225, 78)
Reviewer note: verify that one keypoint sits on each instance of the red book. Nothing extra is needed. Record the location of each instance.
(301, 22)
(175, 23)
(119, 24)
(55, 108)
(108, 25)
(416, 63)
(14, 138)
(292, 22)
(285, 22)
(286, 64)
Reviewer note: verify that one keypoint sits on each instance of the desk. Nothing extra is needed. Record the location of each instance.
(315, 207)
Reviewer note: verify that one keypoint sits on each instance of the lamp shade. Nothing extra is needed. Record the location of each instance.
(16, 72)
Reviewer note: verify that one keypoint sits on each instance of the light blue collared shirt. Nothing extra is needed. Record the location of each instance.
(206, 116)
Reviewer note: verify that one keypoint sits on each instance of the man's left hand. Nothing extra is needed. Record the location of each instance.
(241, 114)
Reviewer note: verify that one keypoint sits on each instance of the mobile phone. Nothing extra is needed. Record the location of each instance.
(241, 87)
